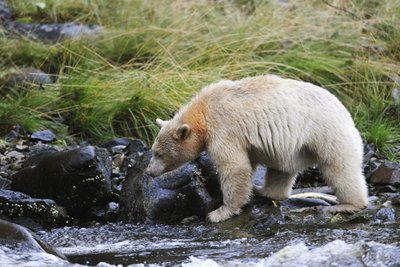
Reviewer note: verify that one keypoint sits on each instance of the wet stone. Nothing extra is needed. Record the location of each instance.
(19, 238)
(168, 198)
(45, 212)
(385, 215)
(77, 179)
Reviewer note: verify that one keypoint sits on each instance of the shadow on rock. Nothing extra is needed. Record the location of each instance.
(77, 179)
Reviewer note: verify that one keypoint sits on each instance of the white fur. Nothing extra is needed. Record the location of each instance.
(287, 125)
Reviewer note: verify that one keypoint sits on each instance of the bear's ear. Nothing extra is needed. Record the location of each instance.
(182, 132)
(160, 122)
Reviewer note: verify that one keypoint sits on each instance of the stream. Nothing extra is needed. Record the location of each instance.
(202, 244)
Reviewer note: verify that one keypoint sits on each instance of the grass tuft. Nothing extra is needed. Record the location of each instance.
(154, 55)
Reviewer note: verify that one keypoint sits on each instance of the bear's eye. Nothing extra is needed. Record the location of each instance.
(158, 155)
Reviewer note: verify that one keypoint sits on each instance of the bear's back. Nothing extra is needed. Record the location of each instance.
(275, 117)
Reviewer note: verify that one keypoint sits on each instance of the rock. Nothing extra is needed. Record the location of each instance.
(77, 179)
(14, 134)
(44, 136)
(4, 183)
(385, 189)
(136, 147)
(370, 161)
(5, 11)
(19, 82)
(13, 160)
(52, 32)
(396, 95)
(15, 236)
(37, 152)
(369, 152)
(30, 76)
(111, 214)
(259, 175)
(396, 90)
(396, 200)
(18, 207)
(168, 198)
(387, 174)
(116, 142)
(385, 215)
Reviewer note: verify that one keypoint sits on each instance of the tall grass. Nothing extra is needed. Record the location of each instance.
(155, 54)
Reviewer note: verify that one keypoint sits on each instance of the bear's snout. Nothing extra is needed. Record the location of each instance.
(155, 168)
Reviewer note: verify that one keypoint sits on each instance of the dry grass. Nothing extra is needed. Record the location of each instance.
(156, 54)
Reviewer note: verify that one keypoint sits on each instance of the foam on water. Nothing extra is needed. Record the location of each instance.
(137, 245)
(335, 253)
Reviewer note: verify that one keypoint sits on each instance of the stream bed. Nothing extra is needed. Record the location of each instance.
(203, 244)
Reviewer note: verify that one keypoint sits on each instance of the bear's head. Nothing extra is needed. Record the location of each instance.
(175, 144)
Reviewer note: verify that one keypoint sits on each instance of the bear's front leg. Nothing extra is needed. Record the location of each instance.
(236, 186)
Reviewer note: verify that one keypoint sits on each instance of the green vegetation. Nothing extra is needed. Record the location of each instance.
(154, 55)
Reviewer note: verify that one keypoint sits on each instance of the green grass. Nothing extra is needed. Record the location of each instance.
(155, 55)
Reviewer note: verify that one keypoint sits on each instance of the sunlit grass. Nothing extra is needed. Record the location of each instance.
(154, 55)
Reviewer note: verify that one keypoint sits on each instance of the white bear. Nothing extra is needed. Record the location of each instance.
(287, 125)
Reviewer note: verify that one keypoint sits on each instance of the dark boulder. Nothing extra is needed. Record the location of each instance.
(168, 198)
(77, 179)
(37, 152)
(21, 208)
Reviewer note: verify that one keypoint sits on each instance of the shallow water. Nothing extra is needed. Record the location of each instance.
(204, 244)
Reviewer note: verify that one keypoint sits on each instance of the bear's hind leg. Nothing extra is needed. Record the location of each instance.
(349, 186)
(277, 185)
(236, 186)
